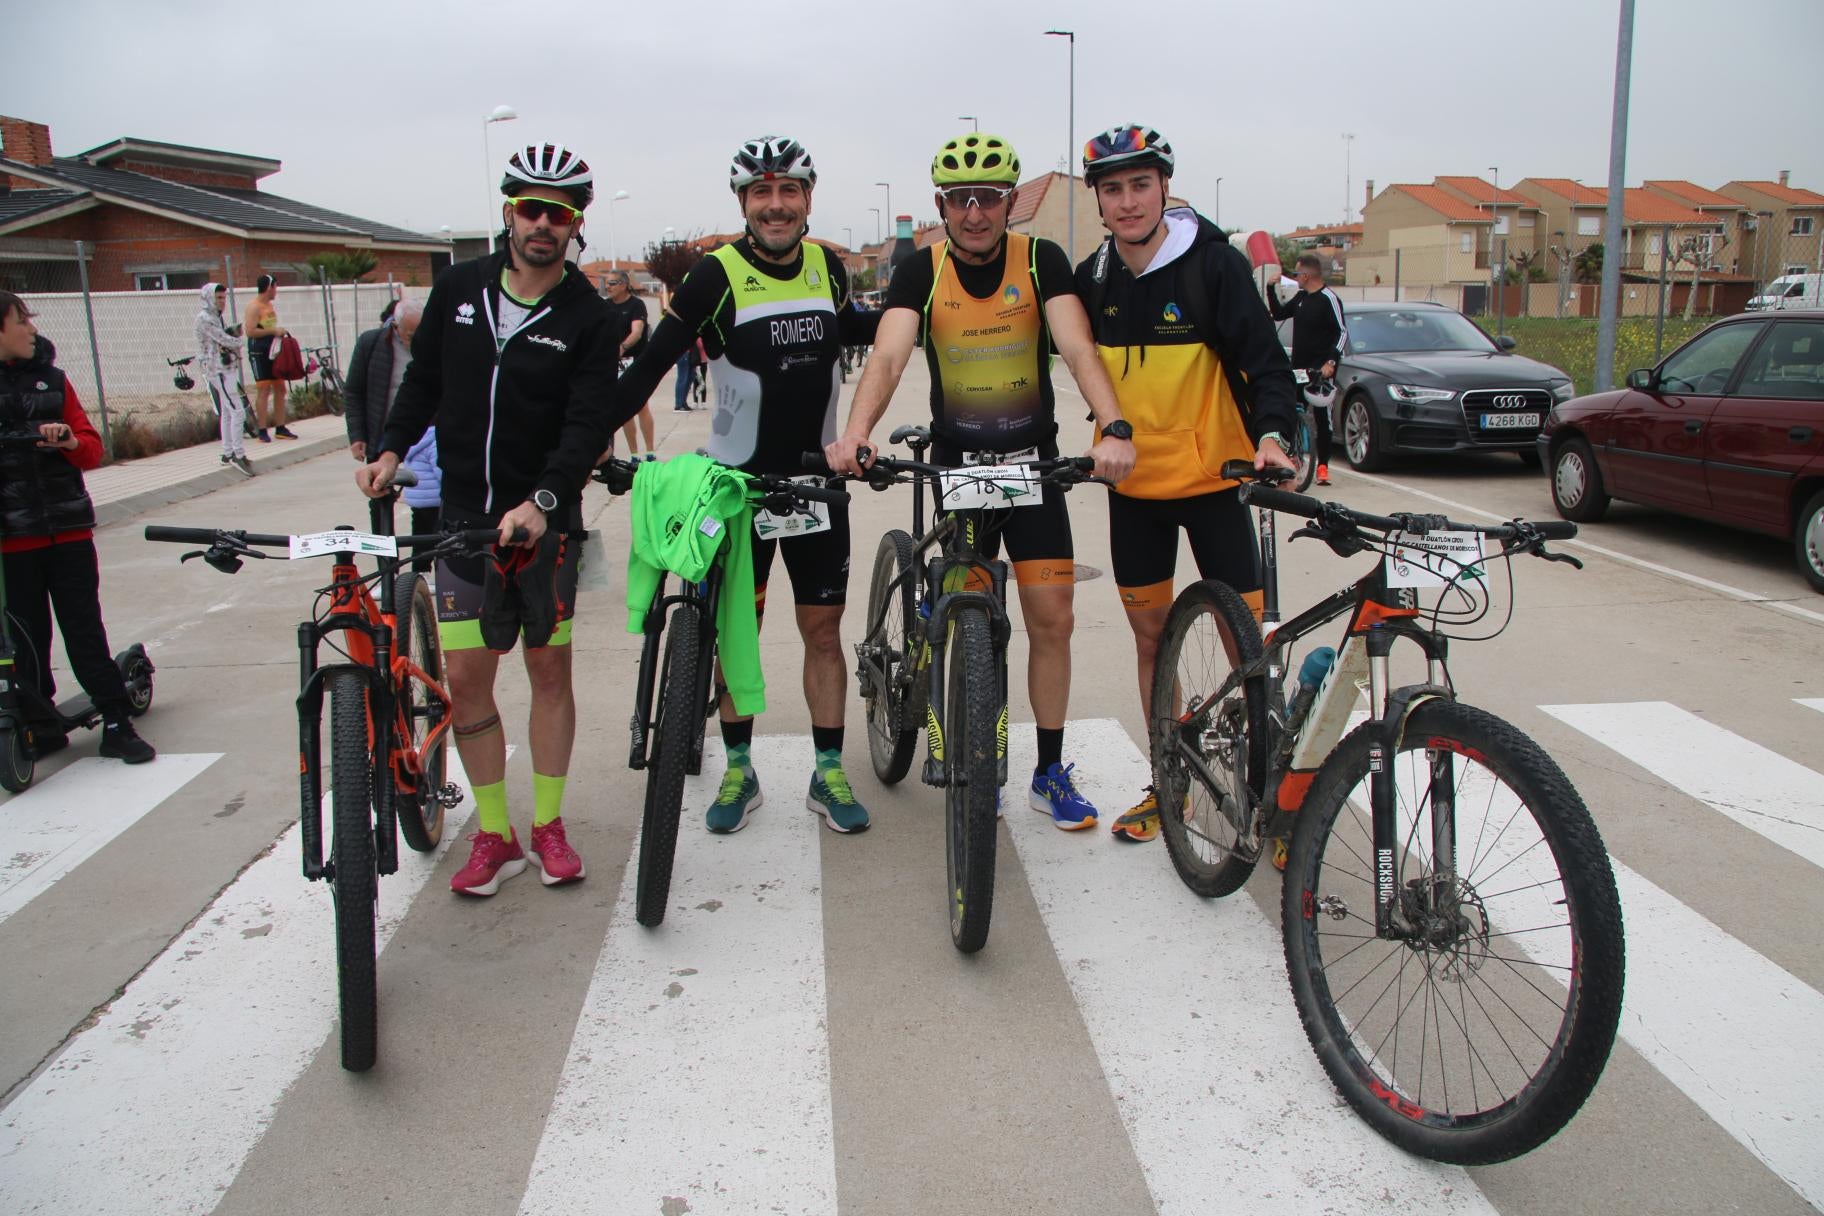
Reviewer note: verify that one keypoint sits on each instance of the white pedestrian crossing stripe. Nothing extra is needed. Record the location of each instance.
(1758, 788)
(161, 1100)
(68, 817)
(699, 1075)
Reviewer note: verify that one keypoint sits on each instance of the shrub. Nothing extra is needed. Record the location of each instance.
(137, 434)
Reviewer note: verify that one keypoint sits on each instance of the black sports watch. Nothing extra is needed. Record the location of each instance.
(544, 500)
(1120, 428)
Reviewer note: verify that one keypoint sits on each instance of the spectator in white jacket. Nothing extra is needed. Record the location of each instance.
(218, 358)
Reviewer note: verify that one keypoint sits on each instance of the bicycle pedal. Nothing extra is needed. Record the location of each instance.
(933, 773)
(450, 794)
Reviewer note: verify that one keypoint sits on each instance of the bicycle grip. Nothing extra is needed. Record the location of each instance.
(181, 536)
(1281, 500)
(1556, 529)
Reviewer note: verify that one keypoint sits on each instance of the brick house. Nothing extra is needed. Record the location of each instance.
(1788, 227)
(1423, 234)
(166, 216)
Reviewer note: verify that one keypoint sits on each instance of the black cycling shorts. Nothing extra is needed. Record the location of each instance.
(818, 564)
(461, 590)
(1038, 538)
(1143, 543)
(259, 359)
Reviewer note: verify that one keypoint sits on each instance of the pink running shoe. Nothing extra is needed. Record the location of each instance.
(557, 862)
(492, 861)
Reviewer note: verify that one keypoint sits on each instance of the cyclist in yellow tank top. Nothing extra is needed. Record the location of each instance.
(994, 303)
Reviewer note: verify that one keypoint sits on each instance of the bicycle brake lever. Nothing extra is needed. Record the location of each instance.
(1558, 557)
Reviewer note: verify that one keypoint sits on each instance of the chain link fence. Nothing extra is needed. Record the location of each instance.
(117, 347)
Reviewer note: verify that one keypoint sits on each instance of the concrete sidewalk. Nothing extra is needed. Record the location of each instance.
(121, 491)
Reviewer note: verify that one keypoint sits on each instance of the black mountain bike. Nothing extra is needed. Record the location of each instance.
(674, 694)
(322, 361)
(1452, 932)
(389, 712)
(934, 599)
(1301, 444)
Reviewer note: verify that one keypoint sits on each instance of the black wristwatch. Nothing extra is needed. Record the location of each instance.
(544, 500)
(1120, 428)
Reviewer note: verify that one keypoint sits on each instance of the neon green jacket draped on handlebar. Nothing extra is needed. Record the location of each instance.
(683, 511)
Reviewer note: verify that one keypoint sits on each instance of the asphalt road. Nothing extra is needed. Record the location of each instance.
(800, 1036)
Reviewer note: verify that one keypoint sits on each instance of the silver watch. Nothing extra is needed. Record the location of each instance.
(544, 500)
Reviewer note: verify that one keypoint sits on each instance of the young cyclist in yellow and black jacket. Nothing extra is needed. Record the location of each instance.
(1199, 374)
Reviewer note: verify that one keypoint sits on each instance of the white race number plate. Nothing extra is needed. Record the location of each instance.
(320, 544)
(1434, 559)
(990, 486)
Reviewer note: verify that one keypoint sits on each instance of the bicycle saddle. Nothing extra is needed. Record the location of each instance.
(919, 437)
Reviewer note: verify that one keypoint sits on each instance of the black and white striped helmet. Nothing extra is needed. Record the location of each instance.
(767, 158)
(551, 165)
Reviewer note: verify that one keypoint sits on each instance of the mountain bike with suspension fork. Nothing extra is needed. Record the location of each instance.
(674, 693)
(1452, 931)
(389, 711)
(937, 598)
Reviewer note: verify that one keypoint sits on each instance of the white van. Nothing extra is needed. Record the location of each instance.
(1791, 291)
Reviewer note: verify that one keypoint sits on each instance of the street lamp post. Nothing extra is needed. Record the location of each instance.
(848, 239)
(876, 211)
(1348, 180)
(974, 125)
(499, 114)
(1218, 216)
(1070, 150)
(889, 189)
(614, 257)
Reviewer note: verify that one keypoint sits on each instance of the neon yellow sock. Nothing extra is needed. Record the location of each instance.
(491, 809)
(547, 798)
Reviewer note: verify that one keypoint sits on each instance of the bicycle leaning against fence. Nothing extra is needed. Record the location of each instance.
(932, 597)
(1452, 932)
(389, 711)
(321, 361)
(674, 694)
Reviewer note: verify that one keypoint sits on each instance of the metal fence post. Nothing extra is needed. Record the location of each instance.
(1396, 275)
(329, 320)
(1659, 319)
(1501, 289)
(88, 311)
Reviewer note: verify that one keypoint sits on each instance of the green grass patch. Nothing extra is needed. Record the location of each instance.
(1570, 344)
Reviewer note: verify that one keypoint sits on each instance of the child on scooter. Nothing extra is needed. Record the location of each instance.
(47, 533)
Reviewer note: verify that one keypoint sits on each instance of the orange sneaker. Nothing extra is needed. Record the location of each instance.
(1323, 474)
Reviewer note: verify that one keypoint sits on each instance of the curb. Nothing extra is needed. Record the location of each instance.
(120, 509)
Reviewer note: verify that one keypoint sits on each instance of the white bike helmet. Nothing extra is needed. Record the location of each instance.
(768, 158)
(553, 166)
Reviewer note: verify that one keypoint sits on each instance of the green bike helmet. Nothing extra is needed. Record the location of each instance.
(976, 160)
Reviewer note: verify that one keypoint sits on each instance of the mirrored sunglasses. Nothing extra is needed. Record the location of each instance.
(962, 197)
(531, 210)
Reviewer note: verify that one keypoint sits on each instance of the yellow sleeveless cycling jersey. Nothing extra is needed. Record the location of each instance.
(986, 355)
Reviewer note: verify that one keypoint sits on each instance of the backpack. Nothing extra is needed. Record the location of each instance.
(288, 360)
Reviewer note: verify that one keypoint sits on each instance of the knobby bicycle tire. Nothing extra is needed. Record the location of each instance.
(420, 810)
(1212, 840)
(886, 676)
(1303, 453)
(678, 707)
(973, 728)
(1514, 991)
(354, 880)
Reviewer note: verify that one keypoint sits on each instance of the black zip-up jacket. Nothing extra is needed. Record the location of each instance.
(511, 419)
(1317, 326)
(41, 492)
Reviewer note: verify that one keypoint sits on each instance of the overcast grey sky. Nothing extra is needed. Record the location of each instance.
(376, 109)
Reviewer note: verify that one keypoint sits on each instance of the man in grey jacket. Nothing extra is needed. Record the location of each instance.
(218, 358)
(375, 371)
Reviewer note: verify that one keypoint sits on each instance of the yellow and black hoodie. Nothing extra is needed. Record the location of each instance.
(1193, 355)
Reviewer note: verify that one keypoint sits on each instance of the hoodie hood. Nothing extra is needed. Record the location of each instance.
(208, 296)
(1185, 230)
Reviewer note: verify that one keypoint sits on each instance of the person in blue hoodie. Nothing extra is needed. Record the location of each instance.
(426, 498)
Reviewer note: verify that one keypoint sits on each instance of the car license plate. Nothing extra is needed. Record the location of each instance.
(1510, 422)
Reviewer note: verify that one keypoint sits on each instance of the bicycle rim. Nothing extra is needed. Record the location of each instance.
(974, 731)
(1477, 1036)
(886, 666)
(665, 775)
(354, 880)
(1209, 756)
(421, 811)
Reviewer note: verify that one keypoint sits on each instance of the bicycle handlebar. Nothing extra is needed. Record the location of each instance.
(1061, 470)
(1408, 522)
(618, 475)
(470, 537)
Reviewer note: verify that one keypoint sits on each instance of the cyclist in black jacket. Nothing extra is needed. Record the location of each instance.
(1318, 334)
(515, 360)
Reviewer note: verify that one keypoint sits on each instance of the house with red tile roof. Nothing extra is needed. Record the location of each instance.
(1788, 226)
(1416, 233)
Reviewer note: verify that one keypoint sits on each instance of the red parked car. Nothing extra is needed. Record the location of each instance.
(1729, 427)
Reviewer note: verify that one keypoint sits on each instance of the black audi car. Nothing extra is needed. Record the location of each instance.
(1421, 377)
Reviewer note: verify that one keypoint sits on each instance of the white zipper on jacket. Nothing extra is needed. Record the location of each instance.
(499, 346)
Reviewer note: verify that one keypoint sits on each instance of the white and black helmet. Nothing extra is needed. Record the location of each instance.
(767, 158)
(553, 166)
